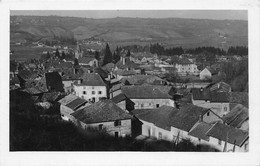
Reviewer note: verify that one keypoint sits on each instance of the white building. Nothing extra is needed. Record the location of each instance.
(91, 87)
(205, 74)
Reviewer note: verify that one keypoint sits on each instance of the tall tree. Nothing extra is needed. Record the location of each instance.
(116, 55)
(97, 55)
(128, 53)
(76, 62)
(108, 56)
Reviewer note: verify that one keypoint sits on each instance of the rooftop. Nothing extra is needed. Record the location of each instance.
(101, 111)
(228, 133)
(144, 92)
(236, 116)
(165, 117)
(200, 131)
(91, 79)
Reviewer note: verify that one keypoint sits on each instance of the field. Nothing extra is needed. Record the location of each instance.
(27, 52)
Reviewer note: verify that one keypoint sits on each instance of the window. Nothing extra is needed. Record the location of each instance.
(100, 127)
(117, 123)
(93, 92)
(157, 105)
(99, 92)
(219, 142)
(93, 99)
(159, 135)
(116, 134)
(84, 92)
(225, 109)
(208, 113)
(199, 139)
(142, 105)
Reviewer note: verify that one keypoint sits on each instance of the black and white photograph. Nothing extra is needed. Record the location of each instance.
(131, 81)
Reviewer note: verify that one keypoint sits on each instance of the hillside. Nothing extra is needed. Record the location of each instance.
(122, 31)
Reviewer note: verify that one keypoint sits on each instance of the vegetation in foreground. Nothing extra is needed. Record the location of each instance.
(50, 134)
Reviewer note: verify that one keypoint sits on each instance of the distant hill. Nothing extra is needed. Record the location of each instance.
(123, 31)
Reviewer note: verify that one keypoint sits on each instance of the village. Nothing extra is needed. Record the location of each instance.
(136, 94)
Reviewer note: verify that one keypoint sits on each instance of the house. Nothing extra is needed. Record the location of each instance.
(147, 96)
(169, 123)
(126, 64)
(88, 61)
(104, 116)
(91, 87)
(219, 87)
(205, 74)
(141, 79)
(218, 102)
(123, 102)
(228, 139)
(237, 117)
(70, 104)
(185, 66)
(198, 135)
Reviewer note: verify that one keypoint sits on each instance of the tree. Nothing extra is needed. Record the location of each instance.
(128, 54)
(57, 53)
(63, 56)
(97, 55)
(116, 55)
(108, 58)
(76, 62)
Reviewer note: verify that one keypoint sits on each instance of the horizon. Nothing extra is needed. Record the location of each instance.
(152, 14)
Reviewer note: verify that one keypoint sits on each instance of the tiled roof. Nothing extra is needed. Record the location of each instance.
(119, 98)
(219, 86)
(160, 117)
(200, 131)
(101, 72)
(125, 72)
(86, 60)
(51, 96)
(76, 103)
(144, 92)
(228, 133)
(67, 99)
(101, 111)
(141, 79)
(27, 75)
(165, 117)
(206, 94)
(92, 79)
(200, 94)
(184, 61)
(72, 101)
(32, 91)
(187, 116)
(64, 65)
(219, 97)
(128, 64)
(236, 116)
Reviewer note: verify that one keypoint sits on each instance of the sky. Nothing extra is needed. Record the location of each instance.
(196, 14)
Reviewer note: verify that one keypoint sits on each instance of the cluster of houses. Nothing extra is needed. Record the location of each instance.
(127, 98)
